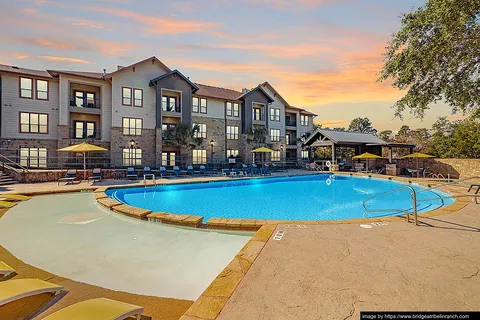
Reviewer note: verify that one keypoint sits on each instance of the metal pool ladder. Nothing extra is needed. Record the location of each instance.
(413, 196)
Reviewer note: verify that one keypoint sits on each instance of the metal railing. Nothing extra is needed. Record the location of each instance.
(11, 165)
(291, 123)
(84, 103)
(457, 182)
(85, 134)
(413, 195)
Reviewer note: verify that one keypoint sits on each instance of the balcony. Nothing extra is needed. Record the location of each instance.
(291, 122)
(85, 134)
(84, 102)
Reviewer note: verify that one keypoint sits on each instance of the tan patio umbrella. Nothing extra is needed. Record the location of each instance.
(367, 156)
(417, 155)
(82, 148)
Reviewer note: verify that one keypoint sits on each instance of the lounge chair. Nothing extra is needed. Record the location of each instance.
(202, 170)
(96, 175)
(131, 174)
(14, 197)
(177, 171)
(190, 170)
(228, 173)
(70, 176)
(254, 170)
(163, 172)
(7, 204)
(238, 172)
(23, 298)
(246, 170)
(474, 185)
(265, 171)
(6, 272)
(98, 309)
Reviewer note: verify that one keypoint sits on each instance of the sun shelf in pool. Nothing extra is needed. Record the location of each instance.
(313, 197)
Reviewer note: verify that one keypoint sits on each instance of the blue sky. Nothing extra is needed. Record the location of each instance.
(323, 55)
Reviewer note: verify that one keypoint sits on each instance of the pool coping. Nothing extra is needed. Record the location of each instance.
(238, 224)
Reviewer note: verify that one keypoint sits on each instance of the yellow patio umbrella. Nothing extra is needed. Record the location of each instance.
(417, 155)
(262, 150)
(367, 156)
(82, 148)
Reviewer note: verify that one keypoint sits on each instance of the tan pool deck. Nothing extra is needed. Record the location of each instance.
(336, 271)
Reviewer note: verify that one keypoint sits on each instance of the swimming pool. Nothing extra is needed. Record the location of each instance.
(312, 197)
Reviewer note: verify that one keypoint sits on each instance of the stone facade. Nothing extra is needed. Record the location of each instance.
(456, 168)
(11, 149)
(147, 142)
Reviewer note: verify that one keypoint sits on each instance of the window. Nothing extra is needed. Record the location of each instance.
(232, 109)
(168, 159)
(42, 89)
(232, 152)
(203, 105)
(33, 157)
(304, 154)
(195, 104)
(137, 97)
(169, 104)
(165, 129)
(127, 96)
(275, 134)
(83, 99)
(232, 132)
(276, 156)
(275, 114)
(132, 157)
(132, 126)
(287, 139)
(33, 122)
(199, 156)
(304, 120)
(84, 130)
(257, 114)
(202, 130)
(26, 88)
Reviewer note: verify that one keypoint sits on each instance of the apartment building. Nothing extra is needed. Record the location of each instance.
(129, 111)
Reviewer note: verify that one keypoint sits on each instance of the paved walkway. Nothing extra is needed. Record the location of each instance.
(336, 271)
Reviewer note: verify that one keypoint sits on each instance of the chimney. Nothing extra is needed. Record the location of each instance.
(104, 72)
(244, 90)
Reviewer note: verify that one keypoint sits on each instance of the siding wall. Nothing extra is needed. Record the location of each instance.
(139, 79)
(12, 105)
(277, 104)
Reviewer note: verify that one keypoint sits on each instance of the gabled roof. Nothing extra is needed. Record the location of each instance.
(217, 92)
(266, 84)
(27, 72)
(347, 137)
(92, 75)
(302, 111)
(270, 99)
(153, 59)
(168, 74)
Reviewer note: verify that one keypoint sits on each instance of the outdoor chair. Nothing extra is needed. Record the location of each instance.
(148, 173)
(238, 172)
(23, 298)
(163, 172)
(228, 173)
(6, 272)
(265, 171)
(99, 309)
(254, 170)
(176, 171)
(474, 185)
(202, 170)
(70, 176)
(96, 175)
(246, 170)
(190, 170)
(131, 174)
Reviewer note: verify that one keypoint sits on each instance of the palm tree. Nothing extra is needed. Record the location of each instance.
(258, 134)
(183, 135)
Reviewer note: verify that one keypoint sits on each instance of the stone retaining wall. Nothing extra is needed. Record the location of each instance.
(457, 168)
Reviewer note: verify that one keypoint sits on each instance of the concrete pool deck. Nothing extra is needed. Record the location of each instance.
(336, 271)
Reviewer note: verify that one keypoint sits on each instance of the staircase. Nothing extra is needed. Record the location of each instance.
(9, 165)
(5, 179)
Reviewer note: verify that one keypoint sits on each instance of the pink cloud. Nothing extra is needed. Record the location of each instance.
(65, 59)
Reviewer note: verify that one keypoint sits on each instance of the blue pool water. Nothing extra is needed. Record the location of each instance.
(313, 197)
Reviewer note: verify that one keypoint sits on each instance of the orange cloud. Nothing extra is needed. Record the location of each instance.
(332, 123)
(20, 56)
(159, 25)
(295, 51)
(65, 59)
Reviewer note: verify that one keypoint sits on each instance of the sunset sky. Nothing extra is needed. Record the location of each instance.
(323, 55)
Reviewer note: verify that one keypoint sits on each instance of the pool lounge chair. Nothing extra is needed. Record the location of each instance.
(131, 174)
(474, 185)
(163, 172)
(265, 171)
(228, 173)
(238, 172)
(98, 309)
(254, 170)
(70, 176)
(177, 171)
(23, 298)
(246, 170)
(14, 197)
(6, 272)
(96, 175)
(202, 170)
(190, 170)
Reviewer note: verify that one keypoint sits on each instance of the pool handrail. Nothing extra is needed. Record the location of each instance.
(430, 188)
(413, 194)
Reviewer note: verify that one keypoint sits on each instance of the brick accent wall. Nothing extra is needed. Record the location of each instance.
(457, 168)
(146, 142)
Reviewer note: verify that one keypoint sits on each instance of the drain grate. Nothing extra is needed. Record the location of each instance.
(278, 235)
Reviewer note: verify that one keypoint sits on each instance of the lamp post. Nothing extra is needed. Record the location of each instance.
(132, 146)
(211, 148)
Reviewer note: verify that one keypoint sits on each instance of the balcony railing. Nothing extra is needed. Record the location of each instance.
(84, 134)
(292, 142)
(290, 123)
(84, 103)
